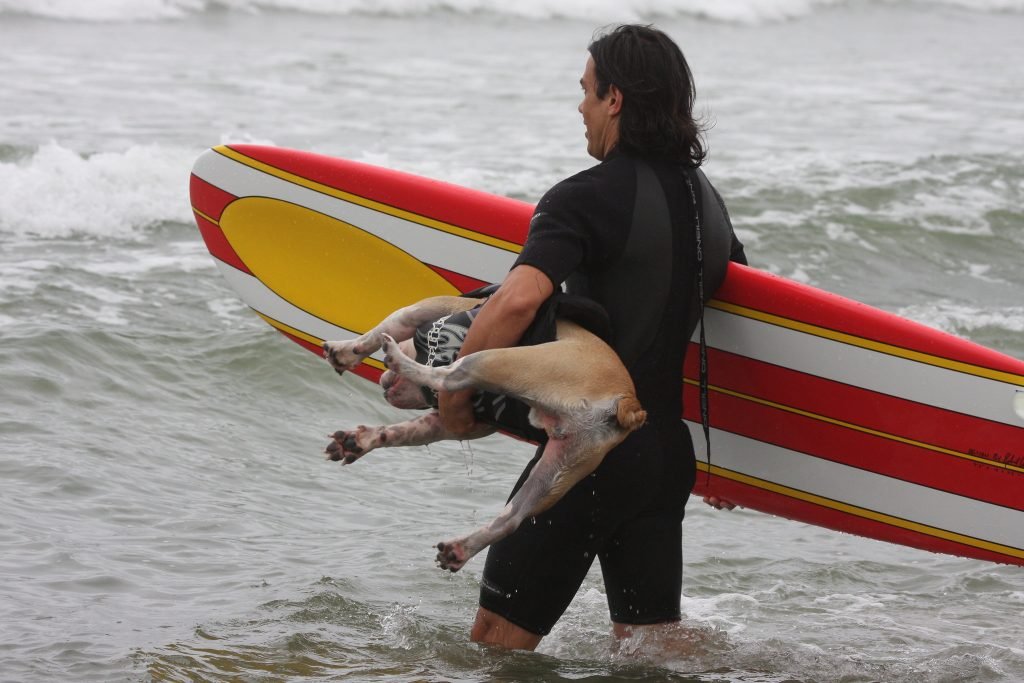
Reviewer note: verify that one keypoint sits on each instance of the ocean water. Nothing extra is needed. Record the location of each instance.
(165, 510)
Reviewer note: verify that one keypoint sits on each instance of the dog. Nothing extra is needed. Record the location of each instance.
(578, 391)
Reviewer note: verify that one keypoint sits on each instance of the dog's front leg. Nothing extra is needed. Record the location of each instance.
(349, 446)
(401, 325)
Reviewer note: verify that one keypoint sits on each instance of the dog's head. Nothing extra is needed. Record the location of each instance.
(399, 391)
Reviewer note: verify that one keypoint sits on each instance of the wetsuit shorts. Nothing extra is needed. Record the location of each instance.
(613, 515)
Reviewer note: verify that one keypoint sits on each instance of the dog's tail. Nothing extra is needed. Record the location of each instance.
(629, 413)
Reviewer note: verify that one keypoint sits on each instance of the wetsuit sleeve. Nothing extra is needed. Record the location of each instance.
(572, 229)
(736, 252)
(555, 244)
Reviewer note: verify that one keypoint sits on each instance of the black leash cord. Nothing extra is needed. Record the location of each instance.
(705, 411)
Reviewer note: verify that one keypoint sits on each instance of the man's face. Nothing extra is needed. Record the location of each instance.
(600, 115)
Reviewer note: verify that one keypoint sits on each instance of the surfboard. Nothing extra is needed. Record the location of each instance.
(823, 410)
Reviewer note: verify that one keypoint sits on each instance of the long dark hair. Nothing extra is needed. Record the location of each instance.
(657, 86)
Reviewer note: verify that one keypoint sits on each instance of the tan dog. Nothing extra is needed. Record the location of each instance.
(578, 391)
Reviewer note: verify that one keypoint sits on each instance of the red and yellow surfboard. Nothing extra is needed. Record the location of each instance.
(823, 410)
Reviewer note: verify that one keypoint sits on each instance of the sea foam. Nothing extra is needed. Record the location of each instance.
(741, 11)
(57, 192)
(961, 319)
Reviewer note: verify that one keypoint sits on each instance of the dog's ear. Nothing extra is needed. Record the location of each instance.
(482, 292)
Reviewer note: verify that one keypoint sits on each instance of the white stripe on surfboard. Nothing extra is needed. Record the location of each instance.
(922, 383)
(919, 382)
(861, 488)
(448, 251)
(264, 300)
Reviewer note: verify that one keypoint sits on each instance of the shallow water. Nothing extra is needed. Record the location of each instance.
(165, 511)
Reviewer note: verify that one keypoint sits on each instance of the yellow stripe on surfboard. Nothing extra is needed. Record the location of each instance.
(869, 344)
(304, 257)
(203, 215)
(856, 427)
(368, 203)
(864, 513)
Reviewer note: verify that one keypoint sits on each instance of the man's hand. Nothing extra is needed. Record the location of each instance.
(718, 503)
(456, 409)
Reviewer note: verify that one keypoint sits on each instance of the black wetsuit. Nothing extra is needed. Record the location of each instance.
(624, 234)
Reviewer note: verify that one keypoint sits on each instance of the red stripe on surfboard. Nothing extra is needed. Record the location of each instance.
(208, 198)
(218, 244)
(894, 459)
(792, 508)
(892, 415)
(776, 295)
(365, 371)
(369, 372)
(309, 346)
(464, 283)
(211, 201)
(493, 215)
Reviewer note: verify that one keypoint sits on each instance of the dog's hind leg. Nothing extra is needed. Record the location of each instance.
(458, 375)
(563, 464)
(348, 446)
(400, 325)
(538, 375)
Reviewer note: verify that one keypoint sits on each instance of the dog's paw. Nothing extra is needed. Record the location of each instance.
(393, 356)
(348, 446)
(343, 355)
(451, 555)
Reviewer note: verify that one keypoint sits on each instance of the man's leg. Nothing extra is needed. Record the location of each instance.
(531, 576)
(493, 629)
(642, 561)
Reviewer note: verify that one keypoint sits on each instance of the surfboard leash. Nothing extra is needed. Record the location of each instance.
(705, 409)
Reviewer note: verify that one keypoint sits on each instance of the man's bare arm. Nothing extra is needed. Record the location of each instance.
(500, 323)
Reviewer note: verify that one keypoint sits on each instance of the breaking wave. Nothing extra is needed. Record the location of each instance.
(738, 11)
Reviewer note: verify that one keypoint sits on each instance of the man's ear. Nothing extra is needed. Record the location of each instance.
(614, 100)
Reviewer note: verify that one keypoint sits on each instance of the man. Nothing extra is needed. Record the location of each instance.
(641, 233)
